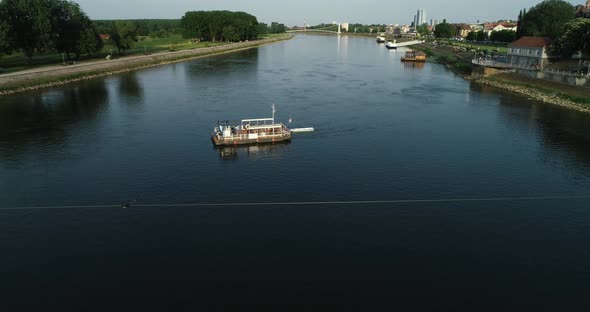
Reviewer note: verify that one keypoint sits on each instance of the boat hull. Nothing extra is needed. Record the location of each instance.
(244, 141)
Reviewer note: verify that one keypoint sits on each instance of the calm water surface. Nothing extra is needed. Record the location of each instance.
(385, 131)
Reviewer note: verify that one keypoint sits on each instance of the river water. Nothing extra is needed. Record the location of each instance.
(400, 136)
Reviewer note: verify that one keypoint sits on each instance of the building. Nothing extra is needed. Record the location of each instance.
(345, 26)
(420, 17)
(583, 10)
(530, 52)
(462, 30)
(490, 27)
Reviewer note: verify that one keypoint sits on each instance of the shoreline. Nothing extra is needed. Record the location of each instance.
(52, 76)
(536, 90)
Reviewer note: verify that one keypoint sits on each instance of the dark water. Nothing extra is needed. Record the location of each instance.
(386, 131)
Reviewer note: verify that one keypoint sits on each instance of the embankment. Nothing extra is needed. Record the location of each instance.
(561, 94)
(59, 75)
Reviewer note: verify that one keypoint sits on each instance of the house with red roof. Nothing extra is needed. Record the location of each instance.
(530, 52)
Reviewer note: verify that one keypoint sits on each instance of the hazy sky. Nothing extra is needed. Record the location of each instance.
(316, 11)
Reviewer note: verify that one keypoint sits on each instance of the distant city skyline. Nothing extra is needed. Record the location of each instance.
(315, 12)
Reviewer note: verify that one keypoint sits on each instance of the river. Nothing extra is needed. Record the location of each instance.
(471, 197)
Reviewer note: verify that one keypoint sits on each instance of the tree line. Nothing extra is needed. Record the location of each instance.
(32, 26)
(157, 28)
(219, 26)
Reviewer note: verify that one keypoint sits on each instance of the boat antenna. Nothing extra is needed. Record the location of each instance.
(274, 110)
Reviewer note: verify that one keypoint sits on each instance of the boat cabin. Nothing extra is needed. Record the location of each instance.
(414, 56)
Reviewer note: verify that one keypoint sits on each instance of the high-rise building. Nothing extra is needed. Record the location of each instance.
(420, 17)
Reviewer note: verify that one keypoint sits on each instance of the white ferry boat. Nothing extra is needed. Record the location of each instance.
(250, 131)
(381, 39)
(392, 45)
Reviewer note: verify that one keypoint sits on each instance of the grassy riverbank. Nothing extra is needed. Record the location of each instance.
(565, 95)
(58, 75)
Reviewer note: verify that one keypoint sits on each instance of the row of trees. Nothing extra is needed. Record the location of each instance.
(31, 26)
(274, 28)
(496, 36)
(157, 28)
(219, 26)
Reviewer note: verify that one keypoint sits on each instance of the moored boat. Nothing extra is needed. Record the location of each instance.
(413, 56)
(391, 45)
(250, 131)
(380, 39)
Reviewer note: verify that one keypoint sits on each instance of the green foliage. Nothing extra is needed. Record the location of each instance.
(444, 30)
(476, 36)
(124, 35)
(546, 19)
(423, 30)
(214, 25)
(27, 25)
(262, 29)
(73, 32)
(503, 36)
(90, 41)
(575, 38)
(146, 27)
(276, 28)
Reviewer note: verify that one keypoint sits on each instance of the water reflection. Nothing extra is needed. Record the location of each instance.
(130, 86)
(563, 133)
(238, 63)
(43, 120)
(414, 65)
(253, 152)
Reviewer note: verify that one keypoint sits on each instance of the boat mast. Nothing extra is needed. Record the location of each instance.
(273, 113)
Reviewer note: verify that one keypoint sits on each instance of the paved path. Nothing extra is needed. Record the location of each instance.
(29, 76)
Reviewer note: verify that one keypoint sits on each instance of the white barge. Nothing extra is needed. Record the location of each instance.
(250, 131)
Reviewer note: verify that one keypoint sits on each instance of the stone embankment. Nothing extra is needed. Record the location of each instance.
(59, 75)
(536, 89)
(535, 94)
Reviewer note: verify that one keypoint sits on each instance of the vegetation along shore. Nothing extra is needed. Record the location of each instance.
(569, 96)
(59, 75)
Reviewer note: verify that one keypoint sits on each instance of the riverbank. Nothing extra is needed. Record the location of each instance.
(564, 95)
(50, 76)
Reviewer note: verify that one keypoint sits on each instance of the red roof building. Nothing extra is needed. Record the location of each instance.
(530, 52)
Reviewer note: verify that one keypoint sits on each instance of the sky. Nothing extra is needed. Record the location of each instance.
(314, 12)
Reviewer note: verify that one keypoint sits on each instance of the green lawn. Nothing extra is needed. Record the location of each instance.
(496, 47)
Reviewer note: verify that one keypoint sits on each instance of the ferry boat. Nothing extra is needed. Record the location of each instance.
(413, 56)
(391, 45)
(380, 39)
(251, 131)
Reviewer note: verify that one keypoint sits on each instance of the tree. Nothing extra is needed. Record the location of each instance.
(546, 19)
(276, 28)
(262, 28)
(27, 25)
(211, 25)
(444, 30)
(90, 40)
(503, 36)
(123, 34)
(230, 34)
(575, 38)
(73, 32)
(481, 36)
(423, 30)
(472, 36)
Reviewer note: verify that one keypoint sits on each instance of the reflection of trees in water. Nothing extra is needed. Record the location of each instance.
(129, 86)
(32, 121)
(237, 63)
(564, 133)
